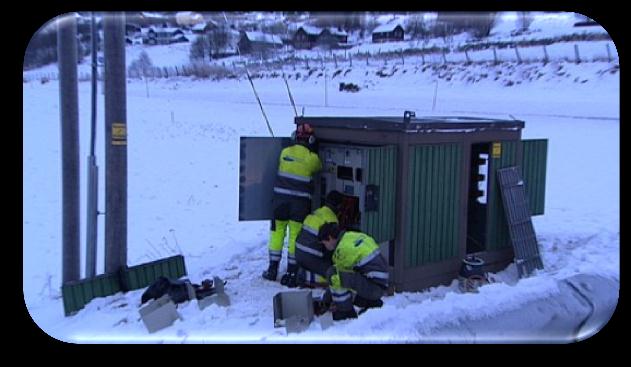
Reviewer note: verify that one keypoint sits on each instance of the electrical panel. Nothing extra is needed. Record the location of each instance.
(345, 169)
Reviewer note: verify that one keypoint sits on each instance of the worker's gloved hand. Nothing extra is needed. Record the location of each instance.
(320, 307)
(322, 304)
(289, 280)
(330, 272)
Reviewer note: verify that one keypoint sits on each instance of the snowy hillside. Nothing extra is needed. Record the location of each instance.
(183, 168)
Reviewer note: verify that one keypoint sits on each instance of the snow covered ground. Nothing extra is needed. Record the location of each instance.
(183, 154)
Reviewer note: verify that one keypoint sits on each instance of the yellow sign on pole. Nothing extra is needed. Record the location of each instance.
(497, 150)
(119, 134)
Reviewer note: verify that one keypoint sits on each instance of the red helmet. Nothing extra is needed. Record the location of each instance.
(304, 132)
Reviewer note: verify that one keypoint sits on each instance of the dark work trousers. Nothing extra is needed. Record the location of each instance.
(311, 255)
(288, 207)
(362, 285)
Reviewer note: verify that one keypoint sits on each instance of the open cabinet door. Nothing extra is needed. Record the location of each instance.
(258, 164)
(535, 154)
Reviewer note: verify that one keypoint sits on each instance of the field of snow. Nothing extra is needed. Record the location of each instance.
(183, 168)
(183, 182)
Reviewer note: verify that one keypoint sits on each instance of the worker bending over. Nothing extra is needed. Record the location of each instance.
(359, 275)
(312, 257)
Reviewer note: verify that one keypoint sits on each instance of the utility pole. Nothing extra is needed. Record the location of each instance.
(115, 143)
(69, 119)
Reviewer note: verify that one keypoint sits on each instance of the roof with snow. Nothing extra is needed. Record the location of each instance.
(384, 28)
(152, 15)
(311, 30)
(337, 32)
(263, 37)
(199, 27)
(165, 29)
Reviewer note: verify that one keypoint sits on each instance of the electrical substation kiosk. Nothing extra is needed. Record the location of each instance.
(424, 187)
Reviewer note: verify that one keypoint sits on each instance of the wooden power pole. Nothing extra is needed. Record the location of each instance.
(115, 142)
(69, 119)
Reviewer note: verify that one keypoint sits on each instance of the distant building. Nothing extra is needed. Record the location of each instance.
(202, 28)
(132, 30)
(164, 36)
(333, 38)
(388, 33)
(307, 37)
(258, 43)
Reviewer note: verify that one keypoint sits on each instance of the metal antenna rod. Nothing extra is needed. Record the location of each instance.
(257, 97)
(291, 99)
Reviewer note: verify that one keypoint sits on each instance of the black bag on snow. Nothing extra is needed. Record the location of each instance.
(176, 289)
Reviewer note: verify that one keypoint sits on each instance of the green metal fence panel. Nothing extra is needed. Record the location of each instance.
(535, 154)
(77, 294)
(382, 171)
(141, 276)
(497, 234)
(432, 220)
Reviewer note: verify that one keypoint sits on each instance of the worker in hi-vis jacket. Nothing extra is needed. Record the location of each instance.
(291, 201)
(312, 257)
(359, 275)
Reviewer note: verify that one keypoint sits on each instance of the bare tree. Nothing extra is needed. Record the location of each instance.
(524, 19)
(141, 66)
(218, 39)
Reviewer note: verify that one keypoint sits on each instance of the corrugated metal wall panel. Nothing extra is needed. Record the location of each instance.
(497, 228)
(534, 172)
(77, 294)
(382, 172)
(433, 202)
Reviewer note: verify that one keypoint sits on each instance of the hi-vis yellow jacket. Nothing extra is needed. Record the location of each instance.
(296, 167)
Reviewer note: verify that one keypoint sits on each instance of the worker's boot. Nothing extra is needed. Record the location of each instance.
(367, 303)
(290, 278)
(343, 314)
(272, 271)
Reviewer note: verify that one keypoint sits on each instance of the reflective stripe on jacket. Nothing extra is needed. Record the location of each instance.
(308, 238)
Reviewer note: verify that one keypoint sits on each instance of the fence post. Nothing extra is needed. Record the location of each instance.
(367, 55)
(608, 53)
(326, 97)
(546, 59)
(517, 54)
(402, 58)
(444, 57)
(578, 58)
(466, 54)
(494, 56)
(335, 60)
(423, 58)
(307, 62)
(350, 58)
